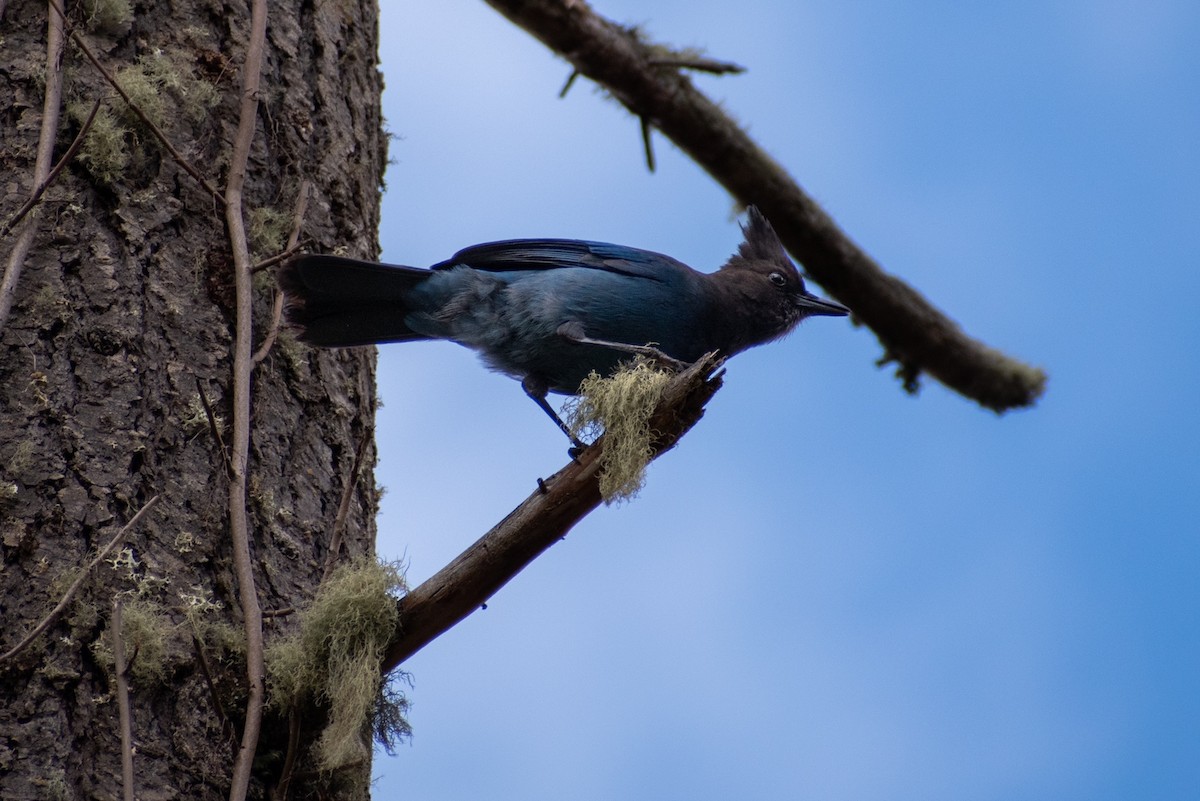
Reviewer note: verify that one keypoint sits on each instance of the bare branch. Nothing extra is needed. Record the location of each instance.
(570, 82)
(298, 215)
(243, 363)
(912, 331)
(542, 519)
(69, 595)
(51, 106)
(273, 332)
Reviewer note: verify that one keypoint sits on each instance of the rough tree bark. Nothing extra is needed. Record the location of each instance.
(120, 335)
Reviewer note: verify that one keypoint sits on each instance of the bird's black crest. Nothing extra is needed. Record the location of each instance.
(762, 243)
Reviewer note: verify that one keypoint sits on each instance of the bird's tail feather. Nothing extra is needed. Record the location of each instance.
(338, 302)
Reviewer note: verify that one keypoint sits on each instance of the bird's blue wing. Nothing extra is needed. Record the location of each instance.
(551, 254)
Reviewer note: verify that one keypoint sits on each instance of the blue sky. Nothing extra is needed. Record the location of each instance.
(830, 590)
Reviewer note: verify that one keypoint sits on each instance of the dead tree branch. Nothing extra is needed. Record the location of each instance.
(544, 518)
(914, 333)
(243, 364)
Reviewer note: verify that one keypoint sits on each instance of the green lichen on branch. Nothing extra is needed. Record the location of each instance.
(621, 407)
(336, 658)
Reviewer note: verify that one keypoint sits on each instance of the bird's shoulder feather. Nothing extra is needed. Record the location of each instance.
(553, 254)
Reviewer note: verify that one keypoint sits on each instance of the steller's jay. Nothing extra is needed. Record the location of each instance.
(551, 311)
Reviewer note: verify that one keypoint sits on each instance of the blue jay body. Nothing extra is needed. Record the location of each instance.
(550, 311)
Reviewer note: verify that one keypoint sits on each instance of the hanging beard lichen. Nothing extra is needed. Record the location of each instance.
(336, 656)
(620, 406)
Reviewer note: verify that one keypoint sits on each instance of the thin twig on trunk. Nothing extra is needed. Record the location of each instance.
(280, 793)
(273, 332)
(343, 510)
(278, 258)
(126, 719)
(141, 115)
(69, 595)
(213, 427)
(76, 143)
(243, 363)
(51, 106)
(227, 727)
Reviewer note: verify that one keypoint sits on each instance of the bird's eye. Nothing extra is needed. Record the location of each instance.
(777, 279)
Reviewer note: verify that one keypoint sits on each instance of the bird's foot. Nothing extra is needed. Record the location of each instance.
(670, 362)
(577, 448)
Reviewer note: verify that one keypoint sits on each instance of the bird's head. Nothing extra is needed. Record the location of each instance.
(764, 288)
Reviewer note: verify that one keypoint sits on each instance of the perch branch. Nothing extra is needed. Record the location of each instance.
(243, 364)
(542, 519)
(69, 595)
(915, 334)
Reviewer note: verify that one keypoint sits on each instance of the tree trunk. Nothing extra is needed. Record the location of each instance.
(115, 386)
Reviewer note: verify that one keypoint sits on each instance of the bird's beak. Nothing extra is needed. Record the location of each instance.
(814, 306)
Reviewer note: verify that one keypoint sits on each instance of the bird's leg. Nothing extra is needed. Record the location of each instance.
(575, 332)
(536, 389)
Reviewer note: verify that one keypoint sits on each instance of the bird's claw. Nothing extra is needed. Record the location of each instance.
(670, 362)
